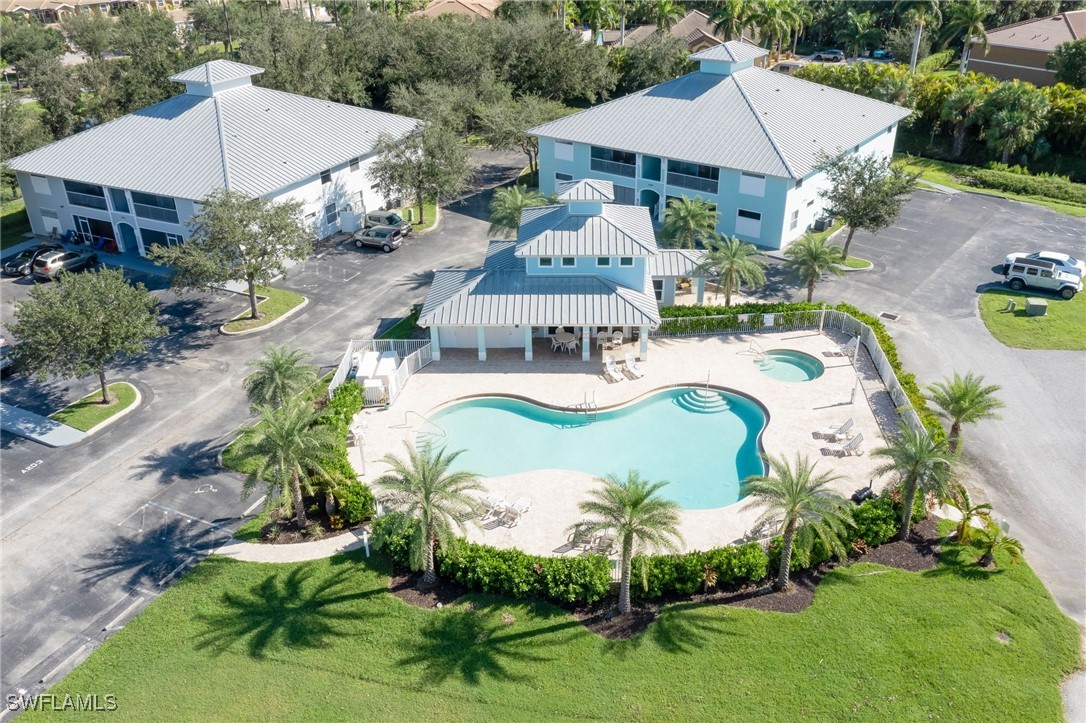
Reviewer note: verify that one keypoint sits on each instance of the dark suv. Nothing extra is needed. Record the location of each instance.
(22, 264)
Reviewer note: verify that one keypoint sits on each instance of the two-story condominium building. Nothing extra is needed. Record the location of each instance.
(136, 181)
(584, 266)
(746, 139)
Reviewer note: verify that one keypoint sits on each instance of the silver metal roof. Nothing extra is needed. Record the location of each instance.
(676, 262)
(216, 71)
(477, 297)
(753, 120)
(502, 255)
(247, 139)
(731, 51)
(554, 231)
(586, 190)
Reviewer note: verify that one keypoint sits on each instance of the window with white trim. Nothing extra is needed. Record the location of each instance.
(546, 262)
(603, 261)
(625, 261)
(331, 215)
(794, 222)
(568, 261)
(748, 223)
(326, 176)
(752, 184)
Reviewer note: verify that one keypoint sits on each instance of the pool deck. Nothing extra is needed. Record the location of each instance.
(796, 411)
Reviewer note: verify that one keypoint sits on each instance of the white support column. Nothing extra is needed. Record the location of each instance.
(435, 344)
(586, 344)
(481, 333)
(643, 354)
(527, 342)
(700, 282)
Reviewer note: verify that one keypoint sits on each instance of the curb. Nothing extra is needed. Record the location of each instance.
(269, 325)
(435, 227)
(850, 270)
(119, 415)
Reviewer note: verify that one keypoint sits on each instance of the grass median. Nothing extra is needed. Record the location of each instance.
(275, 304)
(1062, 327)
(89, 411)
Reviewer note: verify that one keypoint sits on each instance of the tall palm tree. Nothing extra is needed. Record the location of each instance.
(733, 262)
(959, 500)
(967, 17)
(290, 448)
(280, 375)
(964, 400)
(803, 504)
(811, 258)
(731, 17)
(664, 14)
(641, 520)
(921, 463)
(434, 496)
(919, 13)
(599, 14)
(858, 31)
(772, 21)
(506, 207)
(688, 221)
(962, 107)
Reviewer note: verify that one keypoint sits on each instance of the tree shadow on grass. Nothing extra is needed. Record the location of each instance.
(961, 562)
(285, 611)
(476, 641)
(679, 628)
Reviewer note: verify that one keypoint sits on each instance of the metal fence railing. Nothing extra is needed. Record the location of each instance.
(414, 354)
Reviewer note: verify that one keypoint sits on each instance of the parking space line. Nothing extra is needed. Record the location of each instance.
(190, 517)
(256, 504)
(176, 570)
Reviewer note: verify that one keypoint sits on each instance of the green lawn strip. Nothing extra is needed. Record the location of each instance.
(276, 303)
(89, 411)
(14, 223)
(1063, 327)
(853, 262)
(430, 215)
(877, 644)
(250, 531)
(825, 235)
(404, 327)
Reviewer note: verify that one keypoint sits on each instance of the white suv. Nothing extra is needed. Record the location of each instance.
(1042, 274)
(1065, 263)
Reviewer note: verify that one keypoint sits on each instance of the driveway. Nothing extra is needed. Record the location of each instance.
(93, 532)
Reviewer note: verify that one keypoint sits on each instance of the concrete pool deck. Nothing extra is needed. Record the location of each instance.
(796, 409)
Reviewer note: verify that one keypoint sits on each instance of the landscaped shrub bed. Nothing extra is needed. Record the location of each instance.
(656, 576)
(1020, 181)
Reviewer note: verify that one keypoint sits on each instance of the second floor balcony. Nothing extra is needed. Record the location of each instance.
(614, 168)
(694, 183)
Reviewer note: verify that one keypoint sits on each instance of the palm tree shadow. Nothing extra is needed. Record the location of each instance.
(152, 555)
(189, 460)
(283, 611)
(474, 642)
(965, 569)
(685, 627)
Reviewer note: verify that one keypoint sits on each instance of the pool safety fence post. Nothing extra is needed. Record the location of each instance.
(856, 351)
(527, 342)
(480, 333)
(822, 318)
(855, 388)
(643, 351)
(586, 347)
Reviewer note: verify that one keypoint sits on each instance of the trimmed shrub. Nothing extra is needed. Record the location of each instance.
(356, 503)
(346, 402)
(934, 62)
(1017, 180)
(876, 521)
(392, 536)
(657, 576)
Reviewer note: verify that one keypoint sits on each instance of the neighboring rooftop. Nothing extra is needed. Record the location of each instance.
(558, 231)
(244, 138)
(470, 8)
(1041, 33)
(694, 29)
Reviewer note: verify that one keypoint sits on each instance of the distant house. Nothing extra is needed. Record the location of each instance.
(1020, 51)
(696, 30)
(746, 139)
(582, 267)
(137, 180)
(469, 8)
(53, 11)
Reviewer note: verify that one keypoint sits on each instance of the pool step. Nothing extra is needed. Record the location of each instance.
(703, 401)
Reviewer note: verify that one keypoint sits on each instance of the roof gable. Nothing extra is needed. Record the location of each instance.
(555, 231)
(732, 51)
(216, 71)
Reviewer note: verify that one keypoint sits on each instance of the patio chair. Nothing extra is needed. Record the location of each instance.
(838, 432)
(849, 348)
(581, 537)
(571, 346)
(518, 509)
(852, 447)
(603, 543)
(610, 371)
(632, 367)
(603, 339)
(494, 506)
(555, 344)
(616, 338)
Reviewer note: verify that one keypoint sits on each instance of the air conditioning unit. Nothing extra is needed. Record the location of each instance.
(822, 223)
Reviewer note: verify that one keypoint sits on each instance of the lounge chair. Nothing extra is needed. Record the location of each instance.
(616, 339)
(837, 433)
(849, 448)
(603, 543)
(633, 369)
(581, 537)
(515, 511)
(849, 348)
(494, 505)
(610, 371)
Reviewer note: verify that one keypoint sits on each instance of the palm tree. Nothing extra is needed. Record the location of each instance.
(432, 495)
(811, 258)
(919, 13)
(731, 17)
(921, 462)
(773, 22)
(733, 262)
(290, 447)
(641, 520)
(688, 221)
(664, 14)
(858, 31)
(599, 15)
(1010, 130)
(962, 107)
(506, 207)
(959, 500)
(964, 400)
(994, 539)
(967, 17)
(280, 375)
(804, 505)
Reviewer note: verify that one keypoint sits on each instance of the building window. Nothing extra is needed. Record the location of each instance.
(617, 163)
(86, 195)
(752, 215)
(799, 183)
(625, 195)
(889, 130)
(855, 149)
(156, 208)
(693, 176)
(658, 288)
(603, 261)
(331, 215)
(120, 201)
(563, 151)
(546, 262)
(562, 177)
(752, 184)
(354, 164)
(625, 261)
(794, 222)
(152, 237)
(569, 261)
(326, 177)
(40, 184)
(810, 203)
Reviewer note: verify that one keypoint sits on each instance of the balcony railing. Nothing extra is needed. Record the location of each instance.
(614, 168)
(86, 200)
(155, 213)
(695, 183)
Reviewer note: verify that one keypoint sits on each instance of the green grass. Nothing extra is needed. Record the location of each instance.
(247, 641)
(825, 235)
(276, 303)
(89, 411)
(250, 531)
(13, 222)
(431, 215)
(853, 262)
(1063, 327)
(945, 174)
(405, 326)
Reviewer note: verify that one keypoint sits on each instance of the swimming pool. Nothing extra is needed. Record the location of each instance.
(788, 365)
(703, 442)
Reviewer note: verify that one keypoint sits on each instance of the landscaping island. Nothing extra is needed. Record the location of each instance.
(89, 411)
(274, 304)
(1062, 327)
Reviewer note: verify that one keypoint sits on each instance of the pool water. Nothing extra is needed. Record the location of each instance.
(703, 442)
(787, 365)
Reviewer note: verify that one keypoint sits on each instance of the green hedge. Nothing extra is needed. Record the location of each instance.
(1048, 186)
(668, 575)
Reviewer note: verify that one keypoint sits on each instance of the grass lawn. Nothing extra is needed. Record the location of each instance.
(276, 303)
(945, 174)
(431, 215)
(1063, 327)
(825, 235)
(854, 262)
(250, 531)
(89, 410)
(404, 327)
(13, 222)
(326, 640)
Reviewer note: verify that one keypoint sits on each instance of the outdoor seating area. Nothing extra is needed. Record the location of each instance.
(844, 440)
(629, 369)
(495, 509)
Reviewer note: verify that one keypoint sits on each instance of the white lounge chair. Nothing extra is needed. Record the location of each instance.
(837, 433)
(849, 448)
(494, 505)
(518, 509)
(610, 370)
(632, 367)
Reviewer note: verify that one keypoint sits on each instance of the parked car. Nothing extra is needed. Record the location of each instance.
(1044, 275)
(882, 54)
(7, 355)
(22, 263)
(386, 238)
(388, 218)
(829, 56)
(1065, 263)
(789, 67)
(50, 264)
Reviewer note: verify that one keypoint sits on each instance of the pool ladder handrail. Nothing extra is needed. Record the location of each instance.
(759, 353)
(426, 420)
(589, 408)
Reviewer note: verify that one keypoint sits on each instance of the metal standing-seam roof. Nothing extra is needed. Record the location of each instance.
(216, 71)
(477, 297)
(503, 255)
(731, 51)
(248, 139)
(752, 120)
(587, 189)
(676, 262)
(555, 231)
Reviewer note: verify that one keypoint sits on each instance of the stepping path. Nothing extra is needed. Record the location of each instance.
(298, 552)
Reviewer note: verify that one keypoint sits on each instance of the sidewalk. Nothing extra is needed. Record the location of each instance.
(38, 428)
(299, 552)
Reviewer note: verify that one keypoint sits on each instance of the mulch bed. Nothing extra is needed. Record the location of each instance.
(406, 587)
(920, 553)
(607, 623)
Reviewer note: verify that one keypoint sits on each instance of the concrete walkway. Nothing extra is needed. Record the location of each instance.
(299, 552)
(938, 187)
(38, 428)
